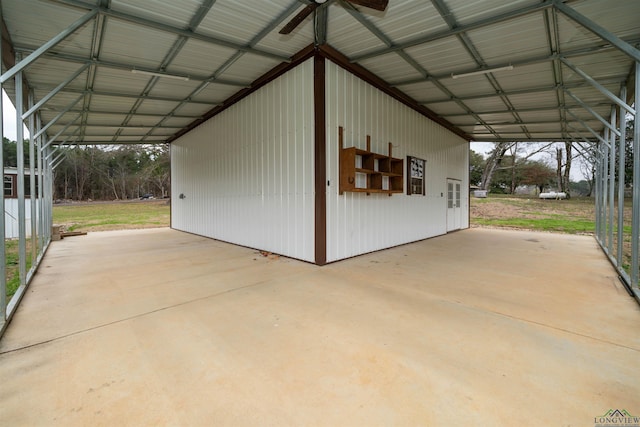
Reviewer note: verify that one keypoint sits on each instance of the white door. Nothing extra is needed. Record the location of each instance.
(454, 209)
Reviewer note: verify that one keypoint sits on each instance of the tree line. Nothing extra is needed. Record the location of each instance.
(547, 166)
(510, 165)
(105, 172)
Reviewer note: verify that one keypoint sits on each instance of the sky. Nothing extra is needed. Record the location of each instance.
(9, 119)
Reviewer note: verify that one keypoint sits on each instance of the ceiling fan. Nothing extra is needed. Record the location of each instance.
(296, 20)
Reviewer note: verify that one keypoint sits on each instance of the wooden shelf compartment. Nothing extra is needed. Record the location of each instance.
(364, 171)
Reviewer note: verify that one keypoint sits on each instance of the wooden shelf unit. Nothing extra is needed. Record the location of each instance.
(363, 171)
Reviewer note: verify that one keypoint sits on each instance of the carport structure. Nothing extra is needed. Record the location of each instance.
(149, 71)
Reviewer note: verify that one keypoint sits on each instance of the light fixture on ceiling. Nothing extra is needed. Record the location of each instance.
(487, 71)
(152, 73)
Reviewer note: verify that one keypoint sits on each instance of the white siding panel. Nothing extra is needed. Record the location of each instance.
(357, 223)
(247, 174)
(11, 223)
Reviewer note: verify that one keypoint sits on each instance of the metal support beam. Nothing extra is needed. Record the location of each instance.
(593, 113)
(53, 167)
(63, 130)
(598, 30)
(50, 154)
(606, 92)
(58, 157)
(54, 92)
(593, 132)
(50, 142)
(57, 117)
(48, 45)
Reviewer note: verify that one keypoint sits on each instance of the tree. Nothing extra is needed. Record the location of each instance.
(493, 162)
(107, 173)
(563, 168)
(476, 167)
(536, 173)
(587, 166)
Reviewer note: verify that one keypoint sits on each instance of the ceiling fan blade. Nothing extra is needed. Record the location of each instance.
(371, 4)
(296, 20)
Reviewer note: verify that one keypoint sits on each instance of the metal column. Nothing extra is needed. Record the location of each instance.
(635, 216)
(612, 179)
(604, 195)
(621, 179)
(33, 200)
(3, 274)
(22, 244)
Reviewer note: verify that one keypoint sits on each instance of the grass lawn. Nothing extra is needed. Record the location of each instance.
(104, 216)
(575, 216)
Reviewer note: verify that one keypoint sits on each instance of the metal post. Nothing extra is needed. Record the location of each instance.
(635, 215)
(612, 180)
(603, 159)
(597, 189)
(621, 178)
(22, 245)
(40, 185)
(49, 197)
(3, 275)
(32, 184)
(47, 212)
(603, 177)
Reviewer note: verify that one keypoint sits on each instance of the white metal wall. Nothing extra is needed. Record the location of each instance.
(357, 223)
(247, 174)
(11, 217)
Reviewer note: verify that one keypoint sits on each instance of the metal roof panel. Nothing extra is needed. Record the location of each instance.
(513, 40)
(406, 19)
(176, 13)
(148, 50)
(199, 58)
(444, 56)
(423, 91)
(389, 68)
(249, 67)
(196, 38)
(466, 11)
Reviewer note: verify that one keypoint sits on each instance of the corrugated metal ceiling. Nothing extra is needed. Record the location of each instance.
(220, 47)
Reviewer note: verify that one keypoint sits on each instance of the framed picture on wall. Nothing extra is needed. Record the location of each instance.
(415, 175)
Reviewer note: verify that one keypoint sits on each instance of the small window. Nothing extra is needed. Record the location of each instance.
(8, 186)
(415, 175)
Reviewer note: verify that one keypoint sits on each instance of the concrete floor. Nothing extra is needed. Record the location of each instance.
(477, 328)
